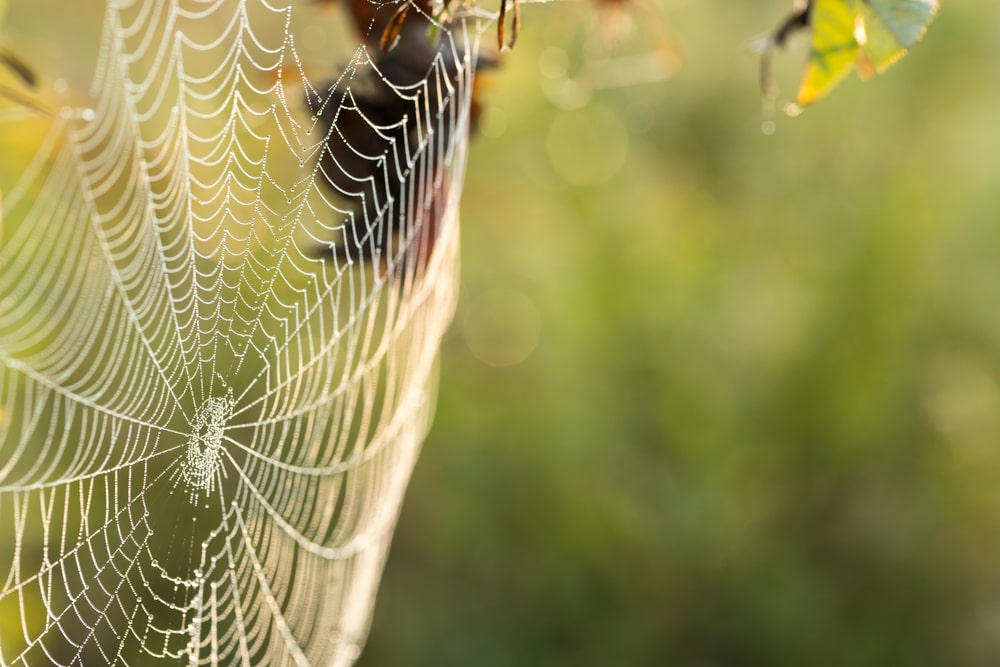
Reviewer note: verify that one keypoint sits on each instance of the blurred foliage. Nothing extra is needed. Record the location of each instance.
(724, 398)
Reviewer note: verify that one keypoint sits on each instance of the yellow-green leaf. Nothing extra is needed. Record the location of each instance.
(868, 34)
(834, 49)
(881, 49)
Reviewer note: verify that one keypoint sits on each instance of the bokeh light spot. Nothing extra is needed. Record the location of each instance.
(964, 402)
(587, 147)
(502, 327)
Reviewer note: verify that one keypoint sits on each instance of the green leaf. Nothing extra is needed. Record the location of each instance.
(870, 35)
(890, 28)
(907, 20)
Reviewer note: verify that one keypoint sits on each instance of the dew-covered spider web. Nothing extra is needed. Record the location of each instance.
(227, 256)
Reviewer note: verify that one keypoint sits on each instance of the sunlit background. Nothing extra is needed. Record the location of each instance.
(714, 397)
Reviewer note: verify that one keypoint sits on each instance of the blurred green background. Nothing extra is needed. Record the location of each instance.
(714, 397)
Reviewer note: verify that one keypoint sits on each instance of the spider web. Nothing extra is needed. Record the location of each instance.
(222, 291)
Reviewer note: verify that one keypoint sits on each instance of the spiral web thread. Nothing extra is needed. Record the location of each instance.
(206, 425)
